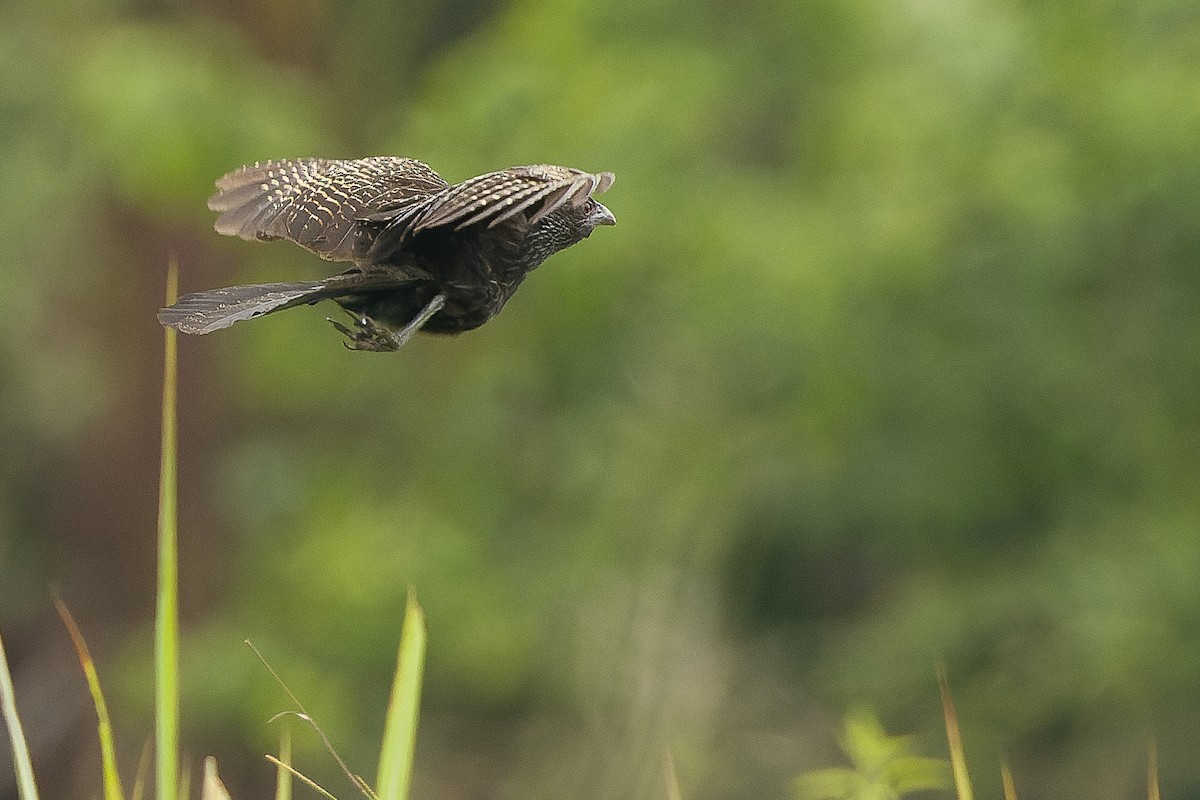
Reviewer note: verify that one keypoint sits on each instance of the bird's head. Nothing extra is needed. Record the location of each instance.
(584, 213)
(595, 214)
(569, 223)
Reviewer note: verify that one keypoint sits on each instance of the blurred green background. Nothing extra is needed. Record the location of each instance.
(893, 356)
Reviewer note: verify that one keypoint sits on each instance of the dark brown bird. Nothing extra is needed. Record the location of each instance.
(427, 255)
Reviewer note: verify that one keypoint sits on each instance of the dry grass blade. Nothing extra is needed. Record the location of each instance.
(307, 781)
(1006, 778)
(212, 788)
(958, 761)
(302, 714)
(672, 778)
(1152, 772)
(108, 751)
(139, 778)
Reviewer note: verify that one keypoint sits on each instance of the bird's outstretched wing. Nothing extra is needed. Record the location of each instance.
(318, 203)
(495, 198)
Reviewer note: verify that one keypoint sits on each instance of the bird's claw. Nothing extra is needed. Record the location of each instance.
(369, 337)
(375, 338)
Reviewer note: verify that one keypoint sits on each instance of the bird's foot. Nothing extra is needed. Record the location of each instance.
(366, 335)
(372, 337)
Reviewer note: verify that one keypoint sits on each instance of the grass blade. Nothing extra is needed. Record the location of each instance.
(166, 622)
(958, 760)
(22, 763)
(108, 751)
(400, 727)
(307, 781)
(1006, 780)
(302, 714)
(1152, 789)
(283, 778)
(211, 786)
(672, 778)
(139, 778)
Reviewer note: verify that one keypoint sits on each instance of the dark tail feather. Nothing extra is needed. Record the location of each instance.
(205, 312)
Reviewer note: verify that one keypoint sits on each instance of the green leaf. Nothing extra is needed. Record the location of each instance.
(884, 767)
(917, 774)
(834, 783)
(400, 726)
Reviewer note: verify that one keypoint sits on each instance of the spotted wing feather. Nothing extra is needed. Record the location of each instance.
(499, 196)
(318, 203)
(494, 198)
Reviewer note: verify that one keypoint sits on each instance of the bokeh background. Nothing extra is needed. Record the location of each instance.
(892, 357)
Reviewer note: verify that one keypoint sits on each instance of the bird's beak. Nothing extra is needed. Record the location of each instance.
(604, 216)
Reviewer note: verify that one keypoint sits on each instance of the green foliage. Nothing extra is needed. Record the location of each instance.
(883, 767)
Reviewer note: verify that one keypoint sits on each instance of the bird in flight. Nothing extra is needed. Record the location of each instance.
(426, 255)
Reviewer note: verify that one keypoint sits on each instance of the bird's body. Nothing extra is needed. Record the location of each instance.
(427, 255)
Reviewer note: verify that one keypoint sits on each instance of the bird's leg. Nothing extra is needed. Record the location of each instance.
(376, 338)
(400, 338)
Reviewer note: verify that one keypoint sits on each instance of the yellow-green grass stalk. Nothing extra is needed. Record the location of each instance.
(400, 725)
(1152, 789)
(283, 777)
(22, 763)
(958, 760)
(166, 622)
(671, 776)
(108, 752)
(1006, 779)
(139, 779)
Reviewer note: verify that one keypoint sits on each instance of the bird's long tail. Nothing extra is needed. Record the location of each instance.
(205, 312)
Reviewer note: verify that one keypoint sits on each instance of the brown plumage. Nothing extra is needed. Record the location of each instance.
(427, 255)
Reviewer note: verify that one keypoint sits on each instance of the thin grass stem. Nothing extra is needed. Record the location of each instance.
(166, 621)
(22, 763)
